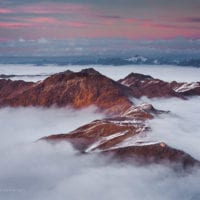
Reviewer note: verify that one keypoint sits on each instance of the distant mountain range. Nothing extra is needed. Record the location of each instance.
(89, 60)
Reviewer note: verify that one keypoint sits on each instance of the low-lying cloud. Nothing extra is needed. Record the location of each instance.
(38, 171)
(21, 125)
(163, 72)
(41, 171)
(180, 128)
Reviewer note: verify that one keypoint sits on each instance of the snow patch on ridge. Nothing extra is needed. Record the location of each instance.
(133, 109)
(105, 139)
(186, 87)
(137, 140)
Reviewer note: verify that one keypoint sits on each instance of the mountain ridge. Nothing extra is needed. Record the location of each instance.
(117, 134)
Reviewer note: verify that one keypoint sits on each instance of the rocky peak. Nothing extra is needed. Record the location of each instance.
(144, 85)
(138, 76)
(76, 89)
(10, 88)
(90, 71)
(123, 139)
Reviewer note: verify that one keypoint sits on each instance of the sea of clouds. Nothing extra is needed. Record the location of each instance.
(38, 170)
(165, 72)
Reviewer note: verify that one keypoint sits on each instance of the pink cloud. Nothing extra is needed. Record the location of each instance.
(167, 26)
(13, 24)
(94, 22)
(151, 24)
(76, 24)
(55, 22)
(4, 39)
(5, 11)
(48, 20)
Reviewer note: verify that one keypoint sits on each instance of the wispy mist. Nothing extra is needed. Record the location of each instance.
(21, 125)
(164, 72)
(40, 170)
(180, 128)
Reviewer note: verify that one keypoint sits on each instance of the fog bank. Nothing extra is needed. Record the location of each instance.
(21, 125)
(180, 128)
(164, 72)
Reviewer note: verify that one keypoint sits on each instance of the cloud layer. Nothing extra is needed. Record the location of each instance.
(21, 125)
(163, 72)
(180, 128)
(40, 170)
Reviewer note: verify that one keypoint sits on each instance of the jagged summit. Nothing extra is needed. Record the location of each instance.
(76, 89)
(121, 139)
(138, 76)
(144, 85)
(66, 72)
(90, 71)
(87, 71)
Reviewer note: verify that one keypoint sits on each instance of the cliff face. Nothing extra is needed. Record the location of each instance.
(143, 85)
(9, 89)
(82, 89)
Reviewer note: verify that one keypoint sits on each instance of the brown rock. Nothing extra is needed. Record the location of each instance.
(9, 89)
(144, 85)
(81, 89)
(116, 137)
(153, 153)
(100, 134)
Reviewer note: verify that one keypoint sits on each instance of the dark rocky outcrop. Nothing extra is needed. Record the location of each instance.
(144, 85)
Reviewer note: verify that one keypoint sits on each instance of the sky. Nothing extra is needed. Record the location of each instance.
(47, 20)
